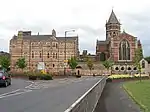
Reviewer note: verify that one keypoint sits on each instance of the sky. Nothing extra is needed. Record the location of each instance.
(86, 17)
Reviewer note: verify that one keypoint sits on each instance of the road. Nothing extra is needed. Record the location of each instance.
(16, 84)
(47, 96)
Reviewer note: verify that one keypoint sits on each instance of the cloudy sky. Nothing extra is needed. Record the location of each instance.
(87, 17)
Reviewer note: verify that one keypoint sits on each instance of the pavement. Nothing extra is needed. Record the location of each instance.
(115, 99)
(44, 96)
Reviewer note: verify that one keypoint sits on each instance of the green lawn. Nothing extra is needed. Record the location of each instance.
(140, 92)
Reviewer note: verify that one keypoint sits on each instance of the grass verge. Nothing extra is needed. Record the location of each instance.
(140, 93)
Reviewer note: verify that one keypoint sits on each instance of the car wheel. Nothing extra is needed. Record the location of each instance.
(6, 84)
(10, 83)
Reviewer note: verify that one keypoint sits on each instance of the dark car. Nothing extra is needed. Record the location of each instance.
(5, 79)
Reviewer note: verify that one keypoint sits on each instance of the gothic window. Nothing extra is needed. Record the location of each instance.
(40, 54)
(53, 65)
(32, 54)
(124, 50)
(47, 55)
(143, 64)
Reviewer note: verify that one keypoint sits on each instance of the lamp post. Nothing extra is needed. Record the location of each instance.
(65, 60)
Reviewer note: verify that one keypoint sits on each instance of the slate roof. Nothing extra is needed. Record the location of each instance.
(113, 19)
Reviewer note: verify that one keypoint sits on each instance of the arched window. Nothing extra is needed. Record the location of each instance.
(143, 64)
(124, 50)
(32, 54)
(47, 55)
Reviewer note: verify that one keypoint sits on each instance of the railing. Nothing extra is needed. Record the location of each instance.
(88, 101)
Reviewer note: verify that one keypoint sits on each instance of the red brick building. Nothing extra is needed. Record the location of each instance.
(119, 46)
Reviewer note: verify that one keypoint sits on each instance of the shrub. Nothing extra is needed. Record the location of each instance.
(46, 77)
(78, 76)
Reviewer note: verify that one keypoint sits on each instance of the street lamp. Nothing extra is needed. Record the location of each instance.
(65, 60)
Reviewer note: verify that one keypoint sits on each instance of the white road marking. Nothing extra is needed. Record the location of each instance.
(9, 92)
(18, 93)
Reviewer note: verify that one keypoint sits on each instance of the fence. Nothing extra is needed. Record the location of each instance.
(88, 101)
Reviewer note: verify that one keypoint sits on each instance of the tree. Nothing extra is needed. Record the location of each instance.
(21, 63)
(5, 62)
(72, 63)
(107, 64)
(137, 58)
(90, 64)
(147, 58)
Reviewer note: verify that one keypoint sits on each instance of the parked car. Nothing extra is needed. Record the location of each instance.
(5, 79)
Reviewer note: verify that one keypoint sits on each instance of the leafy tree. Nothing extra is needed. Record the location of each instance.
(90, 64)
(107, 64)
(5, 62)
(147, 58)
(21, 63)
(72, 63)
(137, 58)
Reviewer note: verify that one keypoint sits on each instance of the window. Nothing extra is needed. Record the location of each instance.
(56, 45)
(143, 64)
(117, 68)
(124, 50)
(53, 65)
(122, 68)
(40, 54)
(32, 54)
(53, 44)
(135, 68)
(48, 55)
(56, 55)
(129, 68)
(53, 55)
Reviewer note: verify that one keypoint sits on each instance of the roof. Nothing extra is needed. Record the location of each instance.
(46, 37)
(113, 19)
(102, 42)
(124, 33)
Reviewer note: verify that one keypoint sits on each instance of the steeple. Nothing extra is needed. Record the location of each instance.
(112, 26)
(113, 19)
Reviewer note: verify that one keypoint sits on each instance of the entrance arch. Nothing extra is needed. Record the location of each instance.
(102, 56)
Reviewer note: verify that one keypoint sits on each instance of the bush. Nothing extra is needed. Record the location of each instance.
(46, 77)
(78, 76)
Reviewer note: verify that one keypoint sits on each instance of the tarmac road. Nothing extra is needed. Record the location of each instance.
(49, 96)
